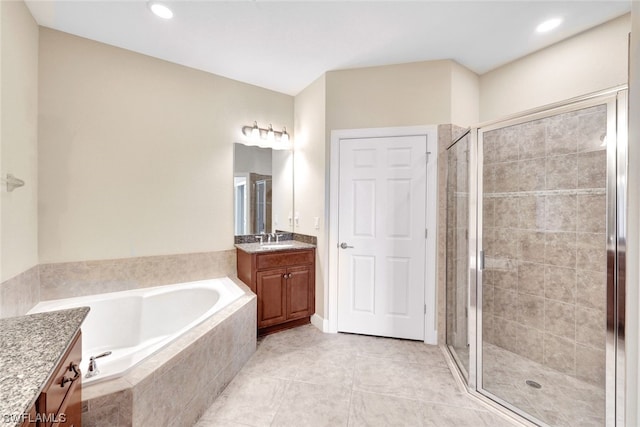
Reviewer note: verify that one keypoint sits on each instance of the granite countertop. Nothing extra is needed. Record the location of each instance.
(31, 347)
(285, 245)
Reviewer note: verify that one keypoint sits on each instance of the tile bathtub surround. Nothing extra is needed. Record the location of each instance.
(20, 293)
(70, 279)
(302, 377)
(176, 385)
(544, 239)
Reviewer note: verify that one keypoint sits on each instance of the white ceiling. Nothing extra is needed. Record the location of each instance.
(285, 45)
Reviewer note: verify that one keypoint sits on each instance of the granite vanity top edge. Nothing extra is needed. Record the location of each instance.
(287, 245)
(31, 347)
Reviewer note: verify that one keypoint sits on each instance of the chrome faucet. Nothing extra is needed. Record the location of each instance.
(275, 236)
(93, 367)
(269, 236)
(261, 237)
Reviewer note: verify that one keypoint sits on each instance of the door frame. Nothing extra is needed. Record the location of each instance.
(331, 296)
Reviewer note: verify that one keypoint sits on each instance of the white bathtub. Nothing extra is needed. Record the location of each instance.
(135, 324)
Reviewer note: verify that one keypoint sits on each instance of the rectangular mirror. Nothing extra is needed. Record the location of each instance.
(263, 189)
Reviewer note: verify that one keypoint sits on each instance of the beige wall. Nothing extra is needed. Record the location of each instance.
(417, 93)
(309, 170)
(633, 295)
(588, 62)
(135, 153)
(420, 93)
(465, 96)
(19, 134)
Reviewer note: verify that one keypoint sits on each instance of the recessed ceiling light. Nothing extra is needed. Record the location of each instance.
(548, 25)
(160, 10)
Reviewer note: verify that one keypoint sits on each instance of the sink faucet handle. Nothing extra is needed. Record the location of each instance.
(261, 238)
(278, 236)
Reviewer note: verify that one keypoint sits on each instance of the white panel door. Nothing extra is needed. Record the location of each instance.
(381, 219)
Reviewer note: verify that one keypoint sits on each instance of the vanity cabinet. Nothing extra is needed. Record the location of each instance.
(60, 402)
(284, 282)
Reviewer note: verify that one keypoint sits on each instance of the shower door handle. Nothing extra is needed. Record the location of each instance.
(481, 261)
(344, 245)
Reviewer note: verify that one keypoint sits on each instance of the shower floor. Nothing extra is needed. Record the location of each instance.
(562, 401)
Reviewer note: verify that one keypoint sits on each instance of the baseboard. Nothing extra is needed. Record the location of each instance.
(320, 323)
(431, 337)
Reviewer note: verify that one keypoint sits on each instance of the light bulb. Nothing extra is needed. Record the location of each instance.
(255, 132)
(285, 136)
(271, 136)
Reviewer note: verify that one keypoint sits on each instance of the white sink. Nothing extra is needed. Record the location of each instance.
(276, 245)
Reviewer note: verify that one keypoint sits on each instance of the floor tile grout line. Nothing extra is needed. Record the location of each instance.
(349, 407)
(275, 415)
(426, 402)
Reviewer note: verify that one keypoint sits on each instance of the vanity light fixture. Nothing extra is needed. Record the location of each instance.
(160, 9)
(267, 137)
(548, 25)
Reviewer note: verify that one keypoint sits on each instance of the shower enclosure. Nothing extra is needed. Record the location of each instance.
(535, 261)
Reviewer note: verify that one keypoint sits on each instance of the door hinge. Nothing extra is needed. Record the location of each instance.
(427, 156)
(426, 233)
(425, 309)
(481, 261)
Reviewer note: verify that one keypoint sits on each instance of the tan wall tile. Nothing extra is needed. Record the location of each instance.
(561, 172)
(560, 284)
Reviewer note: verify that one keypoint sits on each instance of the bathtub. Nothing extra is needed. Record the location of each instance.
(136, 324)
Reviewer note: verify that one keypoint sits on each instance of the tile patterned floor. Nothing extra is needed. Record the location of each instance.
(302, 377)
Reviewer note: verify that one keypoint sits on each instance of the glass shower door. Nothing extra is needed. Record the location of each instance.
(545, 200)
(457, 252)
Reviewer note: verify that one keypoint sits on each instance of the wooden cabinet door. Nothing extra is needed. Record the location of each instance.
(299, 303)
(272, 297)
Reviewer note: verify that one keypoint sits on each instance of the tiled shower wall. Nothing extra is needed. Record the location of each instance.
(446, 135)
(457, 259)
(544, 217)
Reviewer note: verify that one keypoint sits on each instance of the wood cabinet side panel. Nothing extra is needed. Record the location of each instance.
(312, 286)
(55, 399)
(246, 268)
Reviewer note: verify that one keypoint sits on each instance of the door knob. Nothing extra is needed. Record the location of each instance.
(344, 245)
